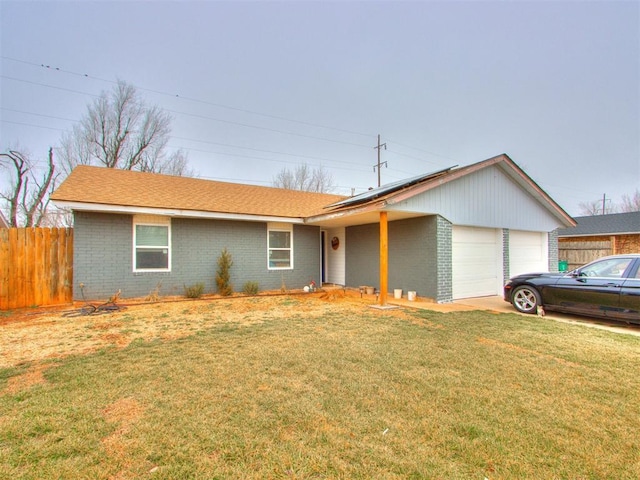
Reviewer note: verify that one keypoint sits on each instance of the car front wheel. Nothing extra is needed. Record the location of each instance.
(525, 299)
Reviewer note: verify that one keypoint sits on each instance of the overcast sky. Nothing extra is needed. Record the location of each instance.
(254, 87)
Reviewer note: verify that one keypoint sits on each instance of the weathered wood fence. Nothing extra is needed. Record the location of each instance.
(577, 253)
(36, 267)
(581, 250)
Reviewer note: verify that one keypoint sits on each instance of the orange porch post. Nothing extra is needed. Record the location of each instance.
(384, 258)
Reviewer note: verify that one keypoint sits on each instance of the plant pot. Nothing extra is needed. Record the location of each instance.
(370, 290)
(411, 295)
(397, 293)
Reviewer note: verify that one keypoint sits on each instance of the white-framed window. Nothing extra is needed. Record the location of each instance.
(151, 244)
(279, 246)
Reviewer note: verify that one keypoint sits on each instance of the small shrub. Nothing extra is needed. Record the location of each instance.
(194, 291)
(223, 274)
(154, 295)
(250, 288)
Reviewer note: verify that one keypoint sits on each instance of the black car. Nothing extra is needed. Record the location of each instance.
(606, 288)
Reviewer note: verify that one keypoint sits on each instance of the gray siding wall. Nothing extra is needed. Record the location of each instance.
(487, 198)
(103, 252)
(413, 255)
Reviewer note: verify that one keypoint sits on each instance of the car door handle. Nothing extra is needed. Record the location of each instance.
(613, 284)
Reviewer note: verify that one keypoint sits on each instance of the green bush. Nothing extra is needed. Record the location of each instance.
(194, 291)
(223, 274)
(250, 288)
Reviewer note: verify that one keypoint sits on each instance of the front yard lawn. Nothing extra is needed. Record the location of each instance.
(303, 388)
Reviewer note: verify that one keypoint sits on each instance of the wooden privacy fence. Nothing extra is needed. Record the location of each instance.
(36, 267)
(577, 253)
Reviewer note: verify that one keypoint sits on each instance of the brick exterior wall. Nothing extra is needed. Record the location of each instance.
(103, 256)
(553, 251)
(413, 256)
(506, 266)
(444, 272)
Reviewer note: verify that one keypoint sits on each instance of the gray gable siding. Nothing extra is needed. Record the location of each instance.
(486, 198)
(413, 255)
(103, 250)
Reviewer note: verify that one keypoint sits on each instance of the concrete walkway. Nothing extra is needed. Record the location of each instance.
(496, 304)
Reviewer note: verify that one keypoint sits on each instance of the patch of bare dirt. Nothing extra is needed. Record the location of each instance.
(124, 413)
(33, 376)
(44, 334)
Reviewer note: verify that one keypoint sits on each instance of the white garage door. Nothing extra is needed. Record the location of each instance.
(528, 252)
(477, 262)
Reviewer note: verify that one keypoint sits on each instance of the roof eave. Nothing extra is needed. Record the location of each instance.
(595, 234)
(513, 171)
(172, 212)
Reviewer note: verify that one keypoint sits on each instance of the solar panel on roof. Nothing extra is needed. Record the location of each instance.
(388, 188)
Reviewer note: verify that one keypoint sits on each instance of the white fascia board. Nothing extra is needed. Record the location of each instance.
(371, 207)
(608, 234)
(172, 212)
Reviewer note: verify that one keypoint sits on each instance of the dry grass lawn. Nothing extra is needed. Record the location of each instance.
(314, 386)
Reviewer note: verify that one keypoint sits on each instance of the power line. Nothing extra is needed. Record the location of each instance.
(423, 150)
(227, 154)
(48, 86)
(195, 100)
(209, 142)
(37, 114)
(274, 130)
(32, 125)
(228, 107)
(240, 124)
(218, 105)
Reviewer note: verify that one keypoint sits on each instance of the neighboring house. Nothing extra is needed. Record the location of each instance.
(456, 233)
(596, 236)
(3, 221)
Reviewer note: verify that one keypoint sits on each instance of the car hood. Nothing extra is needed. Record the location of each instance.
(529, 276)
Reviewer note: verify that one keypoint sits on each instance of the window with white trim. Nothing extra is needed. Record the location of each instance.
(151, 244)
(280, 246)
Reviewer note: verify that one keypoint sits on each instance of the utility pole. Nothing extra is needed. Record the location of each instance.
(379, 147)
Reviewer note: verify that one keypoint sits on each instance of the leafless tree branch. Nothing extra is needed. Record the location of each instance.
(305, 178)
(121, 131)
(27, 196)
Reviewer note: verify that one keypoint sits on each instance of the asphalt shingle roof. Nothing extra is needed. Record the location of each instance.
(107, 186)
(614, 223)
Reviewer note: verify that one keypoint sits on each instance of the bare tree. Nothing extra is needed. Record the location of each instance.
(121, 131)
(594, 207)
(27, 195)
(305, 178)
(631, 203)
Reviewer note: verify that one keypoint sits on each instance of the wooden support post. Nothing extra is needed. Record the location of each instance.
(384, 259)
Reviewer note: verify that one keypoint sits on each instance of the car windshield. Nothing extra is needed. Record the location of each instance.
(608, 268)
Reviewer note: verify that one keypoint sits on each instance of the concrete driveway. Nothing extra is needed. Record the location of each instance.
(498, 305)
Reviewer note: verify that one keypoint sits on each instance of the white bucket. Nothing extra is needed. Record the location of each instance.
(397, 293)
(411, 295)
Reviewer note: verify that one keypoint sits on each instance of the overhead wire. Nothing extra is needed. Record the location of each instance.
(310, 157)
(196, 100)
(210, 118)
